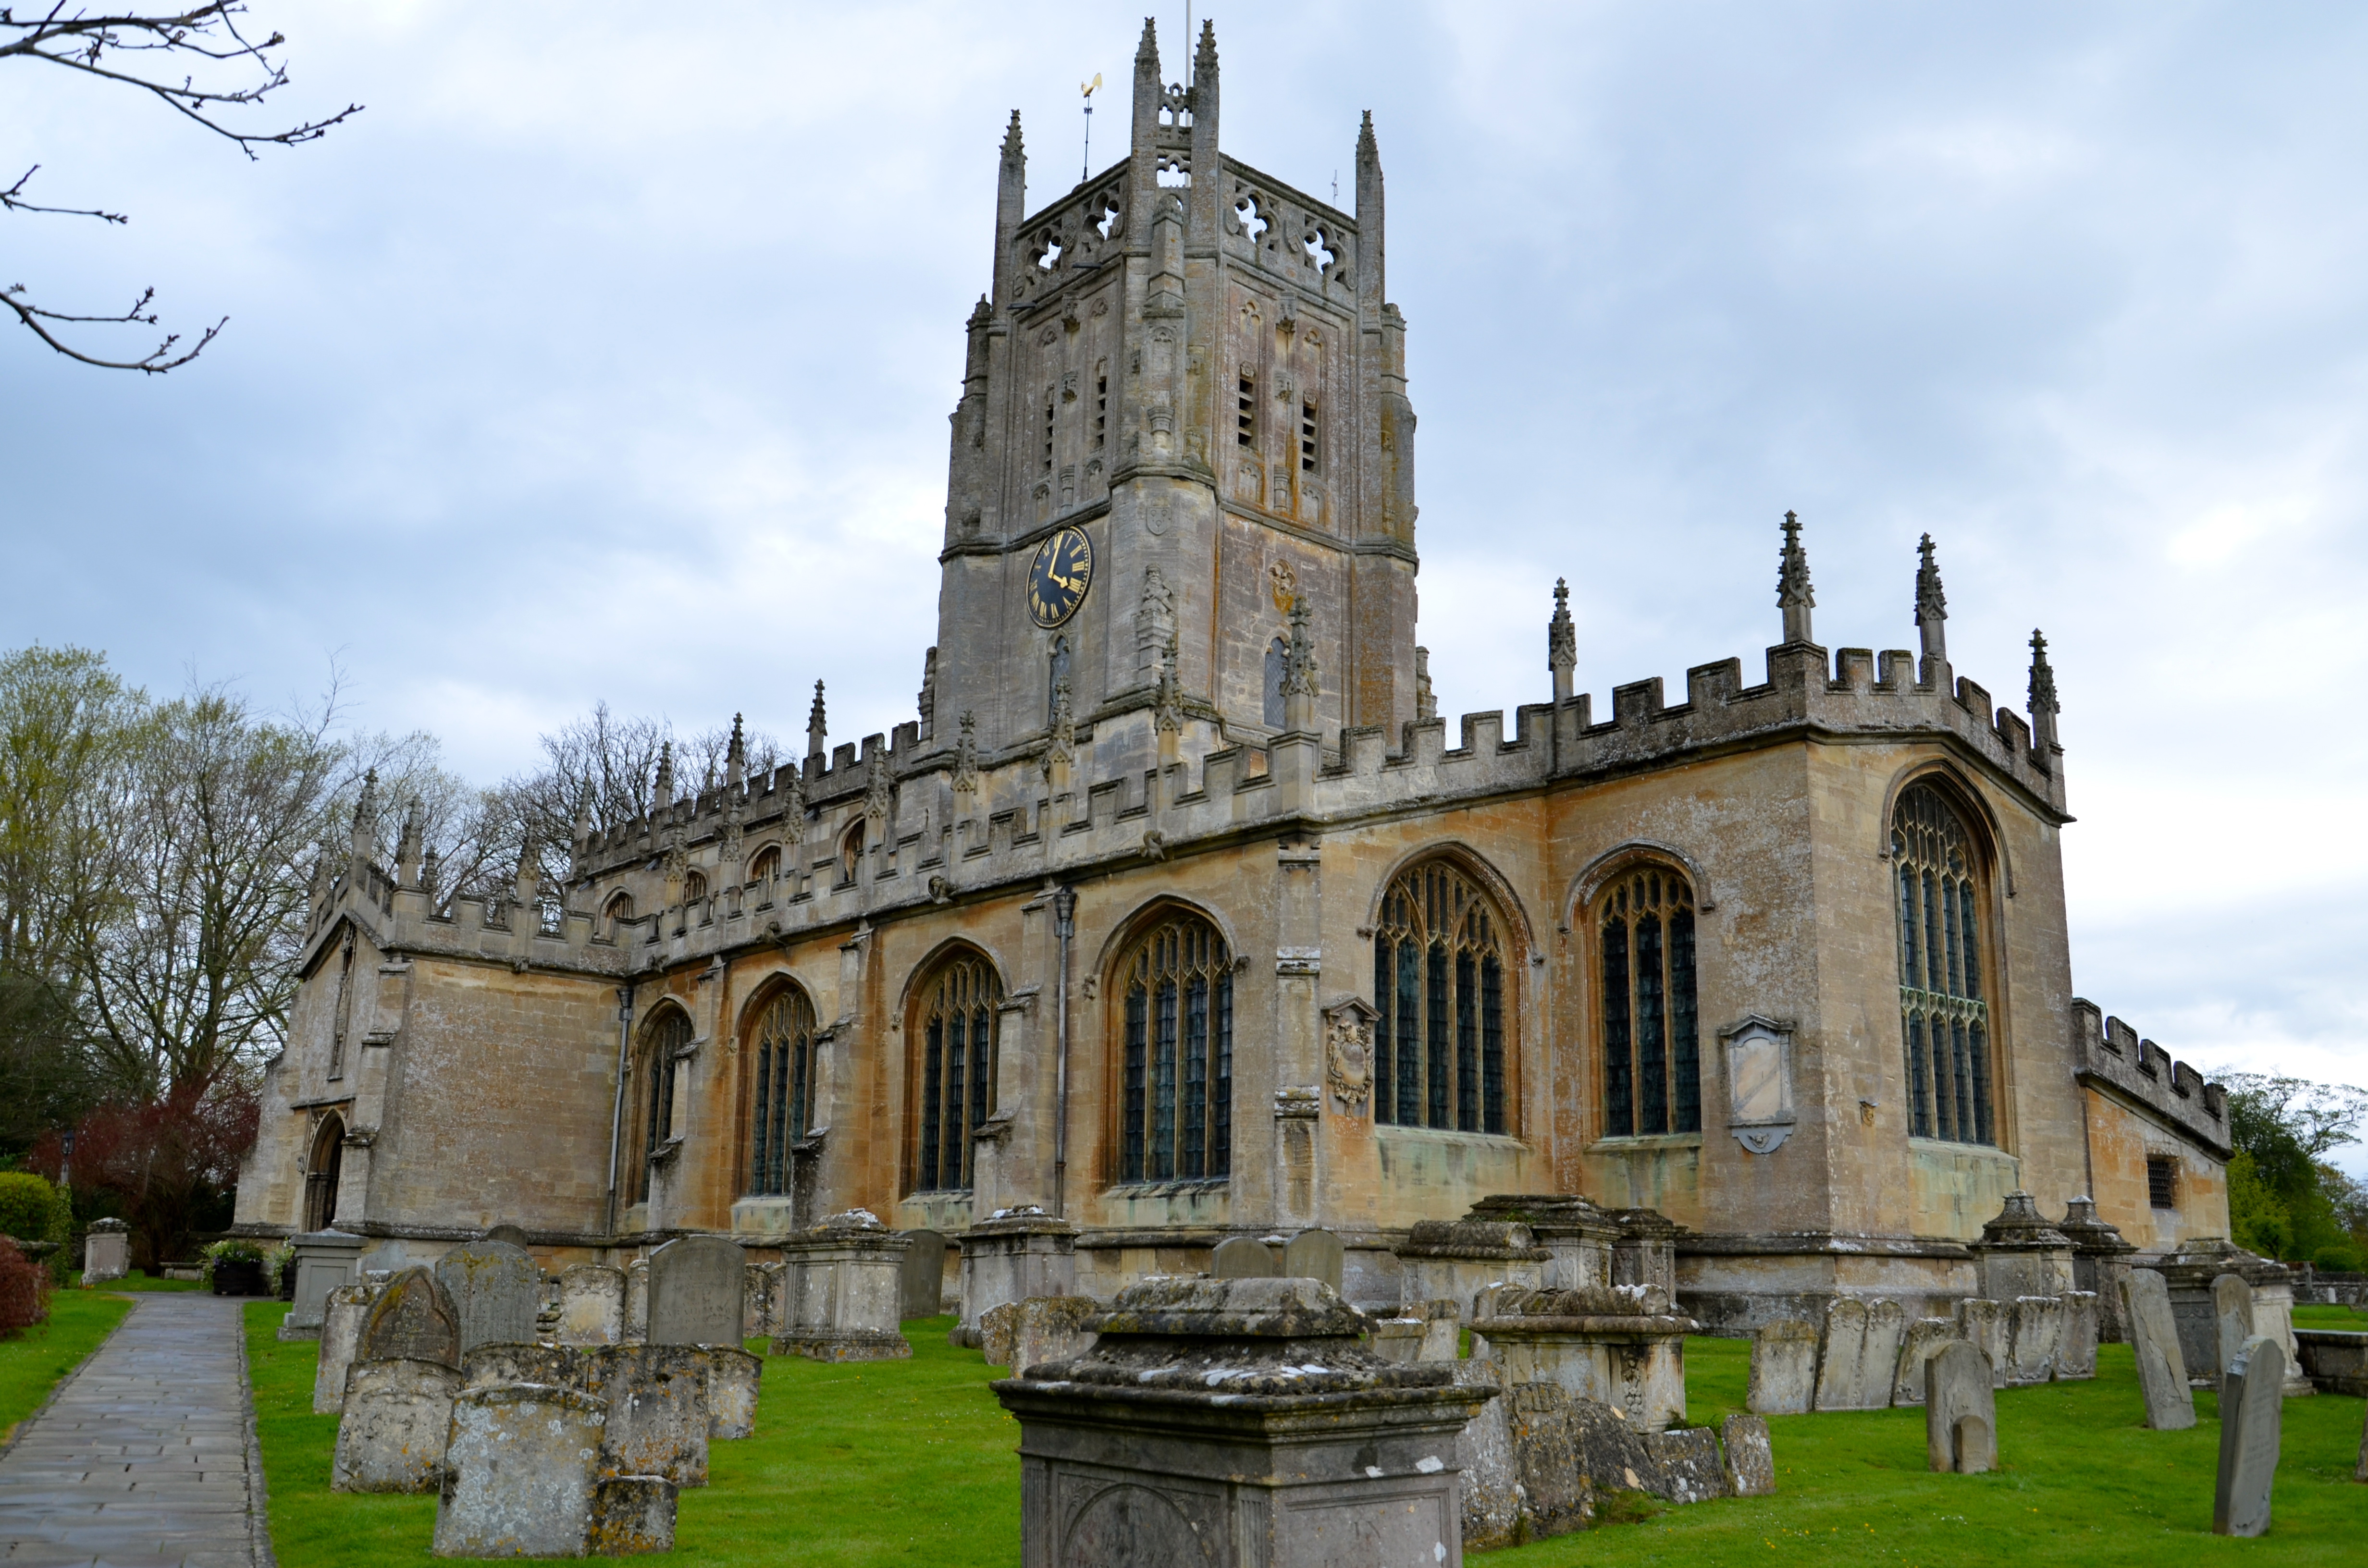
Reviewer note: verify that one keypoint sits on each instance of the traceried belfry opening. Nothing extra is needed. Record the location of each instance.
(1944, 1018)
(955, 1037)
(781, 1054)
(1439, 986)
(1245, 413)
(1176, 1001)
(661, 1043)
(1307, 449)
(1651, 1030)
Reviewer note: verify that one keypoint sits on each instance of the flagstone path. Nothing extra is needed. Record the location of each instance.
(142, 1457)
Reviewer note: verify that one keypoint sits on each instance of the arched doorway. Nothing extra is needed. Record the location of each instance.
(321, 1173)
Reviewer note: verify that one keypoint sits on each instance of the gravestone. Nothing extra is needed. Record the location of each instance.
(1750, 1459)
(2252, 1403)
(763, 1284)
(1841, 1359)
(1443, 1330)
(1243, 1257)
(591, 1304)
(1315, 1254)
(390, 1438)
(1493, 1496)
(411, 1321)
(2232, 1315)
(1051, 1328)
(996, 1328)
(734, 1380)
(341, 1334)
(1959, 1411)
(509, 1235)
(1395, 1340)
(493, 1288)
(923, 1273)
(696, 1288)
(105, 1251)
(1984, 1324)
(2153, 1336)
(1689, 1463)
(2036, 1335)
(1783, 1367)
(1612, 1451)
(520, 1474)
(489, 1366)
(1916, 1346)
(1557, 1498)
(1886, 1323)
(631, 1514)
(658, 1410)
(2076, 1352)
(637, 1300)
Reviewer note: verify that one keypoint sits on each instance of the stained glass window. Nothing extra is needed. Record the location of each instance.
(1439, 988)
(1652, 1046)
(1945, 1019)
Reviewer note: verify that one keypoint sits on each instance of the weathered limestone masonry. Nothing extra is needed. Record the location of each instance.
(1178, 915)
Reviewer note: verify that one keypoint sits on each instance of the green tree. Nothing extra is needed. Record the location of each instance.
(2284, 1201)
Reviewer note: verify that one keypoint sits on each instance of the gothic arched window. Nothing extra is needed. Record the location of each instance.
(1652, 1034)
(781, 1049)
(1175, 992)
(1943, 1018)
(767, 865)
(694, 887)
(320, 1175)
(662, 1042)
(955, 1036)
(620, 909)
(1439, 987)
(851, 853)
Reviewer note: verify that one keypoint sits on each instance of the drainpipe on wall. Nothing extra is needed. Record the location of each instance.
(617, 1112)
(1064, 909)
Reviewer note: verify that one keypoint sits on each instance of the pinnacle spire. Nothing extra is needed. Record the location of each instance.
(736, 756)
(1562, 642)
(817, 726)
(2044, 705)
(1794, 595)
(1204, 58)
(1931, 604)
(1369, 151)
(662, 793)
(1014, 149)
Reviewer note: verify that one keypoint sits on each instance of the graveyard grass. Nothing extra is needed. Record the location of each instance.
(32, 1363)
(912, 1461)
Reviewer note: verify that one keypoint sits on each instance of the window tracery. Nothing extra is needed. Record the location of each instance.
(1651, 1030)
(666, 1037)
(1440, 990)
(956, 1039)
(1175, 997)
(1944, 1013)
(782, 1055)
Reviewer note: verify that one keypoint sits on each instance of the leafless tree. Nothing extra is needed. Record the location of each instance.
(141, 51)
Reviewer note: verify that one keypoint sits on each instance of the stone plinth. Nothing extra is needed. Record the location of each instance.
(105, 1251)
(326, 1261)
(843, 1292)
(1234, 1423)
(1455, 1260)
(341, 1332)
(2101, 1259)
(390, 1438)
(1619, 1346)
(2188, 1275)
(522, 1474)
(2022, 1255)
(1646, 1252)
(1578, 1237)
(1013, 1256)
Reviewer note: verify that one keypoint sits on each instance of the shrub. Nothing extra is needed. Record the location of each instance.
(28, 1208)
(230, 1249)
(2340, 1259)
(278, 1264)
(24, 1291)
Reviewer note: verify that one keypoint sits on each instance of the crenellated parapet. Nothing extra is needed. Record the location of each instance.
(2109, 1055)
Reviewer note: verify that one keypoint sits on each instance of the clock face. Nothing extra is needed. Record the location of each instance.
(1059, 576)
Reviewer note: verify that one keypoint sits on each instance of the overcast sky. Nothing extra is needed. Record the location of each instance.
(605, 355)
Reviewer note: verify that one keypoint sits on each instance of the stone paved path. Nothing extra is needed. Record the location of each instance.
(141, 1459)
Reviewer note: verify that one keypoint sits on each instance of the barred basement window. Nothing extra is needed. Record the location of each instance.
(1439, 985)
(957, 1034)
(1246, 413)
(1307, 436)
(661, 1042)
(1652, 1041)
(2162, 1181)
(783, 1053)
(1944, 1022)
(1176, 999)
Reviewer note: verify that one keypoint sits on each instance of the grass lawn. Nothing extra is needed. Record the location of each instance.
(912, 1461)
(140, 1282)
(31, 1364)
(2330, 1317)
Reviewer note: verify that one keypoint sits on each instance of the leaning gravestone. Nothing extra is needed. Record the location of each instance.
(734, 1378)
(390, 1438)
(591, 1304)
(1243, 1257)
(495, 1287)
(2035, 1338)
(696, 1289)
(2232, 1314)
(1887, 1325)
(1750, 1460)
(520, 1474)
(1841, 1360)
(637, 1300)
(1687, 1460)
(1983, 1324)
(341, 1334)
(412, 1320)
(1493, 1496)
(2153, 1335)
(1783, 1367)
(923, 1279)
(1959, 1411)
(997, 1328)
(1315, 1254)
(2252, 1403)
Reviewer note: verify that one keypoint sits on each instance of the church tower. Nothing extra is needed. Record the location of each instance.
(1183, 413)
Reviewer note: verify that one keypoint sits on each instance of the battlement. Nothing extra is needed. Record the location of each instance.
(2110, 1056)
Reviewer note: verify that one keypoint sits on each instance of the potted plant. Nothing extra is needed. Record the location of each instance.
(279, 1267)
(232, 1266)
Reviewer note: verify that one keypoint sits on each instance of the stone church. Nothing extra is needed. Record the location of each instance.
(1179, 913)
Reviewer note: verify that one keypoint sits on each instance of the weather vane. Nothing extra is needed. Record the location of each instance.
(1086, 170)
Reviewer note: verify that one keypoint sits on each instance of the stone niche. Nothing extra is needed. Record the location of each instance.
(1230, 1422)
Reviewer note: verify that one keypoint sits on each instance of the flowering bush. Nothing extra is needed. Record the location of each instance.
(279, 1267)
(24, 1291)
(230, 1249)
